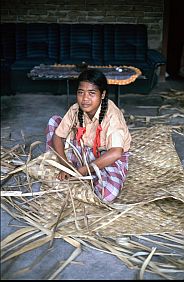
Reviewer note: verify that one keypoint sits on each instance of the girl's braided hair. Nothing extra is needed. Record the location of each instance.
(98, 78)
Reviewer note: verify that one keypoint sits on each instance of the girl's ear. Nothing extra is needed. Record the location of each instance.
(103, 94)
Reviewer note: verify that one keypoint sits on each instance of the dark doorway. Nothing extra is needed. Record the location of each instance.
(175, 47)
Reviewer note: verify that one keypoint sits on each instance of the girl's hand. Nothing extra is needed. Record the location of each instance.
(63, 175)
(83, 170)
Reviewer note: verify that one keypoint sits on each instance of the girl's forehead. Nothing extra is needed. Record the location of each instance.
(87, 85)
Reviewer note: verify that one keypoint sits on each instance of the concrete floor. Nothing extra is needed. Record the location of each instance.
(27, 114)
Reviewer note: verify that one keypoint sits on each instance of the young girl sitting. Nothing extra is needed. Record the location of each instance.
(101, 126)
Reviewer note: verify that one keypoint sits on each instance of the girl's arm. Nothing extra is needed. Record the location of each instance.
(105, 160)
(58, 145)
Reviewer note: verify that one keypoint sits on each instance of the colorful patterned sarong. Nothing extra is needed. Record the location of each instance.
(113, 176)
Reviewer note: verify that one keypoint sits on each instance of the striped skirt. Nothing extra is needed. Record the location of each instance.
(113, 176)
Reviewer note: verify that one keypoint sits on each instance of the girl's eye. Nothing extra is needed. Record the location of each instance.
(92, 94)
(79, 92)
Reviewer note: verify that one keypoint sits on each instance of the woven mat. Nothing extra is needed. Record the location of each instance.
(155, 170)
(151, 201)
(156, 217)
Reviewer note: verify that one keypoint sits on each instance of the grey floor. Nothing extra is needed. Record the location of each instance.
(24, 116)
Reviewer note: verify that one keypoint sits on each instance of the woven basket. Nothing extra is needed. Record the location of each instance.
(45, 173)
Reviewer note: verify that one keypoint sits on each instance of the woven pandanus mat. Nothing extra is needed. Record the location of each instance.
(151, 200)
(155, 176)
(155, 170)
(150, 203)
(156, 217)
(160, 216)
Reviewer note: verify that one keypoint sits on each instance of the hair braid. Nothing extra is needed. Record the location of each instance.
(104, 107)
(80, 117)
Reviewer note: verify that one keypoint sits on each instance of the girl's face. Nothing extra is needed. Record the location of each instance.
(89, 98)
